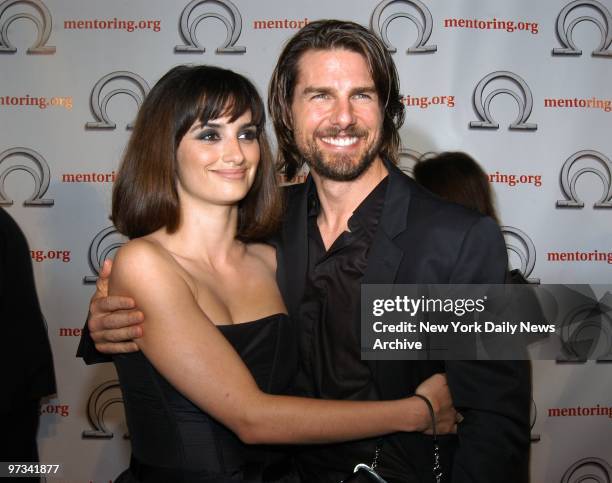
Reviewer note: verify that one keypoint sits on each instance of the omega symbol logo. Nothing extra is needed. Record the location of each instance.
(568, 184)
(424, 25)
(565, 35)
(98, 104)
(41, 175)
(103, 396)
(592, 469)
(535, 437)
(482, 106)
(43, 27)
(101, 249)
(526, 251)
(412, 157)
(233, 25)
(586, 333)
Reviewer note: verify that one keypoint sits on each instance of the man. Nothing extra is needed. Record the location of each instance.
(27, 363)
(334, 100)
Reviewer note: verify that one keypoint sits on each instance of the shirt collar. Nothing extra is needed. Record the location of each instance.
(366, 214)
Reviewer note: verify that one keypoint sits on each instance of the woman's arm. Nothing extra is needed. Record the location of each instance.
(193, 355)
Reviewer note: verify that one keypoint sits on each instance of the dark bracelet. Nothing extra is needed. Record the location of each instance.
(431, 415)
(437, 470)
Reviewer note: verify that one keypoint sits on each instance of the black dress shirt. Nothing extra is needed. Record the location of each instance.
(330, 359)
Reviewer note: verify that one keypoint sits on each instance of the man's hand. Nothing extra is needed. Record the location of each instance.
(114, 321)
(436, 390)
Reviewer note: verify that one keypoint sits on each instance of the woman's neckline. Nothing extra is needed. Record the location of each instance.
(256, 321)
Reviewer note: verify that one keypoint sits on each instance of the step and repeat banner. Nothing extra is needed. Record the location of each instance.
(524, 87)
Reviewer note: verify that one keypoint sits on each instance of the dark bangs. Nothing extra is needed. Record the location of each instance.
(231, 99)
(210, 93)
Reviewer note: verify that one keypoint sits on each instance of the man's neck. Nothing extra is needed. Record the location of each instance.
(339, 199)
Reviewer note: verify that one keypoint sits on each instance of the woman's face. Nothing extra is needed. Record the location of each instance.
(217, 162)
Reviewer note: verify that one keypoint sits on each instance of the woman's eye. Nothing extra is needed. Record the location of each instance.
(249, 135)
(208, 135)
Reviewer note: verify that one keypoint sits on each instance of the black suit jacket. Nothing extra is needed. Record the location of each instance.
(423, 239)
(27, 364)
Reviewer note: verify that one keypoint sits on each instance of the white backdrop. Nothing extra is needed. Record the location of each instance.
(524, 87)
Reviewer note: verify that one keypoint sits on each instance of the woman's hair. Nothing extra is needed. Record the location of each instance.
(331, 35)
(145, 196)
(457, 177)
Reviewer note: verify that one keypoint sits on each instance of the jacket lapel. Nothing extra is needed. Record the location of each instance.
(385, 256)
(291, 273)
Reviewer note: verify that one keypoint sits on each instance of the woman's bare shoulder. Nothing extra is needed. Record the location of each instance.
(264, 253)
(141, 251)
(143, 259)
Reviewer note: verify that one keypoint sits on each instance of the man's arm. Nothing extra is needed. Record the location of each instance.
(112, 324)
(493, 396)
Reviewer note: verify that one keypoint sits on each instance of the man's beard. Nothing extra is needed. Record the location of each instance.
(339, 167)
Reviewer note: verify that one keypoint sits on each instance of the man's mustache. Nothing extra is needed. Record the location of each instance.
(336, 132)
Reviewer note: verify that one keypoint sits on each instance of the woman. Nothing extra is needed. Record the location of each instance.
(196, 193)
(457, 177)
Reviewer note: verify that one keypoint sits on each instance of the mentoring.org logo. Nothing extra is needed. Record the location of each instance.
(586, 329)
(525, 250)
(423, 21)
(103, 246)
(569, 178)
(565, 27)
(99, 103)
(520, 92)
(102, 397)
(408, 158)
(39, 172)
(586, 470)
(38, 13)
(189, 22)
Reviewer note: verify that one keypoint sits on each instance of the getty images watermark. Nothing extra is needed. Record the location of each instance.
(565, 323)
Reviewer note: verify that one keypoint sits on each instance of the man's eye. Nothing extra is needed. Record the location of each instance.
(208, 135)
(320, 96)
(362, 95)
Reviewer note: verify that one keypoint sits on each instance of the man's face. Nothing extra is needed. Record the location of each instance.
(336, 111)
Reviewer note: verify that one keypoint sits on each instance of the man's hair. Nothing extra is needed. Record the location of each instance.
(145, 196)
(457, 177)
(330, 35)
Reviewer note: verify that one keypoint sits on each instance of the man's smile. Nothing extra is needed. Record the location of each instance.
(340, 141)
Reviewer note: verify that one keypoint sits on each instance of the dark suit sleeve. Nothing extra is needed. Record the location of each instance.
(26, 361)
(87, 350)
(493, 396)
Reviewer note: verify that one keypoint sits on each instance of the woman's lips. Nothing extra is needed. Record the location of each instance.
(231, 173)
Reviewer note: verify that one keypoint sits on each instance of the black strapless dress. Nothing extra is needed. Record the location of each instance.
(173, 441)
